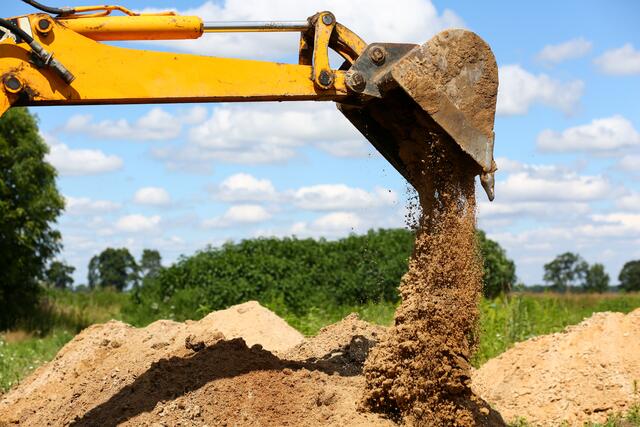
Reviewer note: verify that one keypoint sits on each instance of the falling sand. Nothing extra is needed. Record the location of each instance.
(420, 373)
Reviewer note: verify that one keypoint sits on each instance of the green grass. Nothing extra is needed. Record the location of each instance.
(504, 322)
(59, 318)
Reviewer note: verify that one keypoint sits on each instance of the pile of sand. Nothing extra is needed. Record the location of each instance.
(192, 374)
(579, 375)
(199, 373)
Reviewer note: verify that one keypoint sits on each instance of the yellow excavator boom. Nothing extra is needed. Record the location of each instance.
(395, 94)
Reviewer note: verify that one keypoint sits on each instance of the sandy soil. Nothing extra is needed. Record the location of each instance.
(191, 374)
(579, 375)
(197, 373)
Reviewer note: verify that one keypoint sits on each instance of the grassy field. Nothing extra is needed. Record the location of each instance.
(504, 321)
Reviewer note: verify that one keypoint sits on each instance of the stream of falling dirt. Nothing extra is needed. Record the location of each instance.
(420, 373)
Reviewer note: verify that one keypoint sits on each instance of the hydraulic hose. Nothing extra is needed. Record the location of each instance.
(49, 9)
(46, 57)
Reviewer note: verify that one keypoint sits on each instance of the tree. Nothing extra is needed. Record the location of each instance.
(596, 280)
(150, 263)
(113, 268)
(565, 271)
(59, 274)
(499, 271)
(630, 276)
(29, 206)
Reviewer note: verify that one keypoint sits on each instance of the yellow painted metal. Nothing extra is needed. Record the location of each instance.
(4, 103)
(347, 43)
(113, 75)
(321, 65)
(144, 27)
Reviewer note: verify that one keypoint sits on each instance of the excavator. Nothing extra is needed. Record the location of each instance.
(395, 94)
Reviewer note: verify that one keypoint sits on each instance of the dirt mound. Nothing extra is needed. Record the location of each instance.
(576, 376)
(192, 374)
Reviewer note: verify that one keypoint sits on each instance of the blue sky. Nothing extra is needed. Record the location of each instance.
(180, 177)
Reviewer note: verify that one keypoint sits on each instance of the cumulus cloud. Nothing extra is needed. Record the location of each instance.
(630, 163)
(331, 224)
(622, 61)
(416, 21)
(87, 206)
(243, 187)
(600, 135)
(520, 89)
(571, 49)
(157, 124)
(263, 133)
(76, 162)
(153, 196)
(239, 215)
(331, 197)
(136, 223)
(630, 202)
(566, 187)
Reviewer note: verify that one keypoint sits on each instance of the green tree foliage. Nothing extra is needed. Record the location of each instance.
(596, 279)
(29, 206)
(150, 263)
(566, 271)
(629, 277)
(499, 271)
(59, 274)
(114, 268)
(297, 274)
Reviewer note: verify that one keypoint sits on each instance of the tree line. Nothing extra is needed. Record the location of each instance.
(570, 272)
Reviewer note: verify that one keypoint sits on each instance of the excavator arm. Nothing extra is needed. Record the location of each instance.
(395, 94)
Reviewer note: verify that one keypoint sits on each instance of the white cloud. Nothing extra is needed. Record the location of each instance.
(154, 196)
(335, 223)
(243, 187)
(415, 22)
(630, 163)
(527, 186)
(138, 223)
(157, 124)
(87, 206)
(263, 133)
(331, 197)
(624, 60)
(630, 202)
(72, 162)
(519, 90)
(571, 49)
(238, 215)
(606, 134)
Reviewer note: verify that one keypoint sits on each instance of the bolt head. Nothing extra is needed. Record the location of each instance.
(356, 81)
(325, 78)
(377, 55)
(327, 19)
(12, 84)
(44, 26)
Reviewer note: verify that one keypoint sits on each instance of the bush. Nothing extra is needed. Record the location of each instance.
(290, 272)
(294, 275)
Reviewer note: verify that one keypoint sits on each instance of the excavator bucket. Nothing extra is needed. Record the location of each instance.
(447, 86)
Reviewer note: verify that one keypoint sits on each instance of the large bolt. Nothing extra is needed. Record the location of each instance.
(44, 26)
(327, 19)
(325, 78)
(12, 84)
(356, 81)
(377, 55)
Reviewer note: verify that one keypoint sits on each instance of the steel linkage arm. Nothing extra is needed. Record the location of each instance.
(106, 74)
